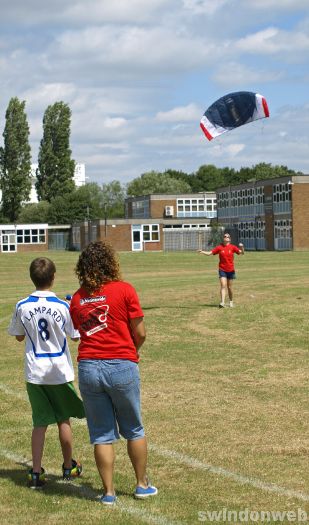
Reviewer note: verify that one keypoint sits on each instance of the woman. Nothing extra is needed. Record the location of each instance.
(108, 315)
(227, 273)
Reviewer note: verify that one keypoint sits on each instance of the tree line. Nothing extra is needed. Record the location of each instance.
(60, 202)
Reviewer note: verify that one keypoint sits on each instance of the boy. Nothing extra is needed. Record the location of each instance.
(44, 321)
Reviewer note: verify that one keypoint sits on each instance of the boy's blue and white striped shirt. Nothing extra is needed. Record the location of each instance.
(45, 321)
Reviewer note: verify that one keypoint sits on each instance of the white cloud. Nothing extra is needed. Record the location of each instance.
(45, 94)
(130, 49)
(133, 11)
(234, 149)
(168, 141)
(272, 40)
(281, 6)
(207, 7)
(184, 113)
(80, 12)
(114, 123)
(238, 75)
(136, 75)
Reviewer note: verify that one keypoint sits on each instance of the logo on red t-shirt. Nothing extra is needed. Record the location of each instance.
(94, 320)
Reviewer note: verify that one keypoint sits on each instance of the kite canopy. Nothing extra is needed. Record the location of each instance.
(232, 111)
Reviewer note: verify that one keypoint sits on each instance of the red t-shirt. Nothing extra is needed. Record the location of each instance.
(226, 256)
(103, 321)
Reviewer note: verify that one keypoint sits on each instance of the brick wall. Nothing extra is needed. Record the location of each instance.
(152, 246)
(157, 208)
(300, 216)
(119, 236)
(22, 248)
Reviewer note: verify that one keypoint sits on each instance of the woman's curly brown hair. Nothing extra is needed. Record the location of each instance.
(97, 264)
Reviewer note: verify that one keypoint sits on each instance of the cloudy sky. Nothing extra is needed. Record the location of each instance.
(139, 74)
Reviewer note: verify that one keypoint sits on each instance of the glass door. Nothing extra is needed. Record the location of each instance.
(137, 242)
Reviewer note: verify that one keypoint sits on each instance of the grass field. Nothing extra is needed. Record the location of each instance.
(225, 397)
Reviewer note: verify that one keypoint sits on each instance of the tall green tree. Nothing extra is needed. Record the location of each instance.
(179, 175)
(56, 168)
(267, 171)
(113, 195)
(207, 178)
(15, 160)
(81, 204)
(155, 182)
(35, 212)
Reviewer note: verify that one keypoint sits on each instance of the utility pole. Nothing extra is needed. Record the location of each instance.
(105, 217)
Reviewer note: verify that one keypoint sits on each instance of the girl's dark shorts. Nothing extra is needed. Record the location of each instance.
(228, 275)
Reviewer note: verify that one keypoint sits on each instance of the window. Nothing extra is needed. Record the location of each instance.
(151, 232)
(283, 229)
(200, 207)
(140, 208)
(31, 236)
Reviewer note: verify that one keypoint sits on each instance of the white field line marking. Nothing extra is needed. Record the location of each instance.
(141, 514)
(199, 465)
(239, 478)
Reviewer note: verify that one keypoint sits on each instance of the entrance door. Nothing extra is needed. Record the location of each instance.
(8, 241)
(137, 242)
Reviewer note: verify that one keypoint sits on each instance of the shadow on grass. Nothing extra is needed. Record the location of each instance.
(55, 485)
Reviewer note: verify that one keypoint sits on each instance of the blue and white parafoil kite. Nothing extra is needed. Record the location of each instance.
(232, 111)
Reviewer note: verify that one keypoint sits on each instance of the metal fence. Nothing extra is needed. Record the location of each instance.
(185, 240)
(58, 240)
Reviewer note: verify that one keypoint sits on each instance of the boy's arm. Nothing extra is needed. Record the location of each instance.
(69, 326)
(16, 327)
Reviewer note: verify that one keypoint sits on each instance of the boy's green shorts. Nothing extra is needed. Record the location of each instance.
(54, 403)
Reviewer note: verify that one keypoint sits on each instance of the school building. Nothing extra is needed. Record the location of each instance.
(270, 214)
(23, 237)
(34, 237)
(153, 222)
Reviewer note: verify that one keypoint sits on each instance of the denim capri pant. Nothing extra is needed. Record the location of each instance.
(110, 390)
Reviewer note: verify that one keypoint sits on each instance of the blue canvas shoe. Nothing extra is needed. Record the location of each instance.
(141, 493)
(108, 499)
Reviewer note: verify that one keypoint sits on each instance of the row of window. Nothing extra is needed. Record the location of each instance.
(33, 236)
(194, 205)
(140, 208)
(253, 196)
(251, 229)
(185, 226)
(27, 236)
(244, 197)
(283, 229)
(282, 195)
